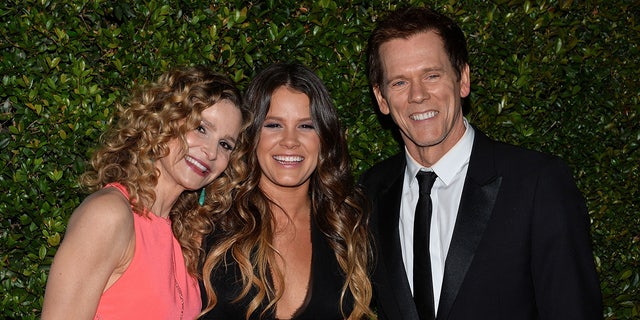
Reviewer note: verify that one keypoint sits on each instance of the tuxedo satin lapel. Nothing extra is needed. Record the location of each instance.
(478, 198)
(393, 291)
(389, 244)
(475, 211)
(388, 215)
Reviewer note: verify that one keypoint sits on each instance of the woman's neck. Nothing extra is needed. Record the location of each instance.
(289, 203)
(165, 199)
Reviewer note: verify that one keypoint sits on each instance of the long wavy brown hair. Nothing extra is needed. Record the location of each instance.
(338, 206)
(155, 114)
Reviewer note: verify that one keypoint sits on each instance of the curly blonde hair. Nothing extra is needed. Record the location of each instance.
(155, 114)
(338, 207)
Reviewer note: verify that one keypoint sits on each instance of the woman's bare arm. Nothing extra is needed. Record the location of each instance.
(97, 248)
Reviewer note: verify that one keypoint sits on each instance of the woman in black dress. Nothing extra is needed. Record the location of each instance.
(294, 244)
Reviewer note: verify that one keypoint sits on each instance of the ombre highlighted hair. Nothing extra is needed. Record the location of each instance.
(338, 207)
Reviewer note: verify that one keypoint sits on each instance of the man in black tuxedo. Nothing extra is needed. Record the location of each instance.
(509, 231)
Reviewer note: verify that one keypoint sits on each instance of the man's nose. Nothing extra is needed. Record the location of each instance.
(418, 92)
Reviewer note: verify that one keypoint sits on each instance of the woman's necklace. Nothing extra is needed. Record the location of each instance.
(178, 288)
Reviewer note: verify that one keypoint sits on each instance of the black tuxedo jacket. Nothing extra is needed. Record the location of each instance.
(520, 247)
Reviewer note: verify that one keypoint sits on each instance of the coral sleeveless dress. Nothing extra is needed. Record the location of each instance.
(156, 285)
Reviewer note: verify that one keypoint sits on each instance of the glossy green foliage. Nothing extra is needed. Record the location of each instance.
(555, 76)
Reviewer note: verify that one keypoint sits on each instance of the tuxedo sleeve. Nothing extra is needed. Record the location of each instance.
(564, 277)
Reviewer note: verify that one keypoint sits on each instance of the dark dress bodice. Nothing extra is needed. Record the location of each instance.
(323, 294)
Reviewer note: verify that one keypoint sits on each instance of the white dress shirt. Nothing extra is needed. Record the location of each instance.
(445, 196)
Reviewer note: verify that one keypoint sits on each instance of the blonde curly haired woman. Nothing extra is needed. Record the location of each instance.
(132, 248)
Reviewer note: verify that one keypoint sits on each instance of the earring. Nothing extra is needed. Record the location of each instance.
(202, 195)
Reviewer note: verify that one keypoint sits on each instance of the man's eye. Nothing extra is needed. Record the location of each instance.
(398, 83)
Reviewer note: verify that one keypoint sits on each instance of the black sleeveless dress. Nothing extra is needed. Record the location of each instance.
(323, 294)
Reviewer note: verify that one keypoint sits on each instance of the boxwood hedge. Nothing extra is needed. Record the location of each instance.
(556, 76)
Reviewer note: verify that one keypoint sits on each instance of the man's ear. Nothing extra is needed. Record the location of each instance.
(382, 102)
(465, 82)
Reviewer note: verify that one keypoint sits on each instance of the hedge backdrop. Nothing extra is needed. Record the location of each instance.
(555, 76)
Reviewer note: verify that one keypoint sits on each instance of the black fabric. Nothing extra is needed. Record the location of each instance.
(520, 247)
(323, 295)
(422, 281)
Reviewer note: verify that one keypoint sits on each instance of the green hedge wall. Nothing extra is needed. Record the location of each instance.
(556, 76)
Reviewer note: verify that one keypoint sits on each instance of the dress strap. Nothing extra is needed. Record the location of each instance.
(120, 187)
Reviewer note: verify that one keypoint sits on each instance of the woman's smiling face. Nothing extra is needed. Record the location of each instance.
(289, 146)
(208, 148)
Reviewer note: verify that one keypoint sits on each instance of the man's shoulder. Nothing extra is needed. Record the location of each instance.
(525, 155)
(511, 151)
(509, 157)
(384, 171)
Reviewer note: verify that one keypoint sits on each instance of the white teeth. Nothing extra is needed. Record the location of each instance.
(288, 158)
(196, 163)
(423, 116)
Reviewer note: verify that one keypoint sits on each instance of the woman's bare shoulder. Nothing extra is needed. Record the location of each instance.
(107, 207)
